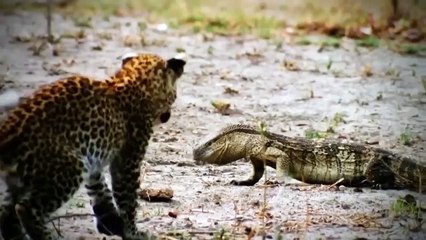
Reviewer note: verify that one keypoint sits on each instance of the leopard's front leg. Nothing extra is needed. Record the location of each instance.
(125, 172)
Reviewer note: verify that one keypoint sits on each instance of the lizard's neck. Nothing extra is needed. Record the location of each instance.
(236, 147)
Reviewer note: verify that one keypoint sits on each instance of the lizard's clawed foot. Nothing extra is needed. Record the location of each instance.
(140, 236)
(288, 181)
(242, 183)
(384, 186)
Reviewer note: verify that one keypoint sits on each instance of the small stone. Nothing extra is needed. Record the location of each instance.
(172, 214)
(346, 206)
(162, 27)
(342, 188)
(373, 141)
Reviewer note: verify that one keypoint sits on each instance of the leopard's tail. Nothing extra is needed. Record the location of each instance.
(2, 160)
(6, 161)
(8, 136)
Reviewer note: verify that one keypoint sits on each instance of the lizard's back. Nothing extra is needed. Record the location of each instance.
(324, 161)
(328, 160)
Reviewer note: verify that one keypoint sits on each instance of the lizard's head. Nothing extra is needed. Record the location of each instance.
(229, 145)
(207, 152)
(217, 151)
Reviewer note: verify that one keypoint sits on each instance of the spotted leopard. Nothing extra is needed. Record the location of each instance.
(67, 132)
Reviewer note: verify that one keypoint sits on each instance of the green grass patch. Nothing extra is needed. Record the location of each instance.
(406, 206)
(413, 49)
(325, 42)
(330, 42)
(370, 42)
(180, 50)
(222, 234)
(232, 24)
(198, 15)
(329, 64)
(338, 119)
(83, 21)
(263, 19)
(315, 134)
(303, 41)
(406, 139)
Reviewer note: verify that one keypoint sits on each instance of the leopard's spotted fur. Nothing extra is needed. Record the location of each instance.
(67, 132)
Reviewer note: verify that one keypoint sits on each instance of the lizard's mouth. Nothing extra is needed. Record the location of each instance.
(202, 156)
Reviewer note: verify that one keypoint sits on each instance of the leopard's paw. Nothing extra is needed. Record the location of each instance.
(110, 224)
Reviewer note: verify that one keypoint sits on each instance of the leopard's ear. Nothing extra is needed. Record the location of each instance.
(176, 64)
(127, 57)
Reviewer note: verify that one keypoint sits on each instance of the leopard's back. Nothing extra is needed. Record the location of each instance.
(75, 113)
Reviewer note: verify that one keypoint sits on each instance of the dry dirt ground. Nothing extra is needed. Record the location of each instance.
(376, 108)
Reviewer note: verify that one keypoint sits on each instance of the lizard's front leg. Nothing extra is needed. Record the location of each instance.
(258, 169)
(125, 172)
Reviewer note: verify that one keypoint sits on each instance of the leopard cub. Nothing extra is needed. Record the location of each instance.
(69, 131)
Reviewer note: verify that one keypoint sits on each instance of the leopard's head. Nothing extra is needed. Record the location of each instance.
(149, 77)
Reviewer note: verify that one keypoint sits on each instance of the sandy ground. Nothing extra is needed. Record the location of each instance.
(377, 108)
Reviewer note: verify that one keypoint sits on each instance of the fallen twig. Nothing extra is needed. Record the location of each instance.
(58, 231)
(200, 210)
(334, 184)
(70, 216)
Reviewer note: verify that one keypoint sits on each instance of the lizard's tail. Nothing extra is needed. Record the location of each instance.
(408, 173)
(391, 170)
(411, 173)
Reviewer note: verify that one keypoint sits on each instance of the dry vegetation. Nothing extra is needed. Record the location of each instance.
(363, 19)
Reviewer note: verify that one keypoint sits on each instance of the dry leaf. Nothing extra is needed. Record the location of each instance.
(80, 36)
(97, 48)
(105, 35)
(130, 40)
(230, 91)
(221, 106)
(250, 232)
(173, 214)
(24, 38)
(225, 74)
(38, 47)
(366, 71)
(68, 61)
(290, 65)
(156, 195)
(54, 69)
(413, 35)
(57, 49)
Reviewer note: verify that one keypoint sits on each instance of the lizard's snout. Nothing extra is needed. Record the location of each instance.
(200, 155)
